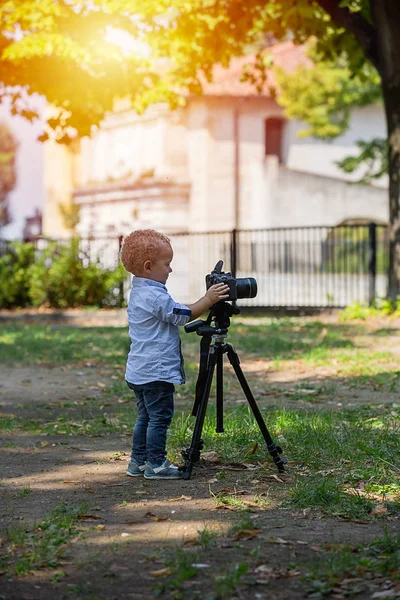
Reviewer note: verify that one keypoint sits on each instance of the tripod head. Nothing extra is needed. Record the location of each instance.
(219, 314)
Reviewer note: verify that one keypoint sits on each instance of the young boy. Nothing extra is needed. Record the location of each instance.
(155, 360)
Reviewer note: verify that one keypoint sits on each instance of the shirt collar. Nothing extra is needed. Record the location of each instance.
(143, 281)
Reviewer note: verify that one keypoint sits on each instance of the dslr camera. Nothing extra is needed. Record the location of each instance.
(241, 287)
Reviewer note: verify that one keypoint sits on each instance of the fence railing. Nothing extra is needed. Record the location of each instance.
(294, 267)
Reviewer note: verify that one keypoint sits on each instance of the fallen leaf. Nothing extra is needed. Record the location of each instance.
(116, 484)
(161, 572)
(264, 569)
(180, 498)
(211, 457)
(379, 510)
(85, 517)
(276, 478)
(100, 527)
(100, 384)
(247, 534)
(191, 542)
(232, 491)
(112, 421)
(133, 521)
(153, 517)
(355, 521)
(279, 540)
(253, 449)
(317, 548)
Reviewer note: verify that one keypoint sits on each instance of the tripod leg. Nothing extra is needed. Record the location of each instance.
(220, 390)
(192, 454)
(275, 451)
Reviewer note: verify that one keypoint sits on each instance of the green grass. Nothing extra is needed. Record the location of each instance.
(32, 344)
(277, 339)
(339, 459)
(332, 454)
(42, 546)
(380, 558)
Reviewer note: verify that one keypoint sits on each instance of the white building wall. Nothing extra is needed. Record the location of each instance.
(311, 155)
(29, 191)
(297, 199)
(128, 145)
(198, 164)
(197, 145)
(212, 159)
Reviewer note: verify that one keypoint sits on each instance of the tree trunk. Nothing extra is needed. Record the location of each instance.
(386, 16)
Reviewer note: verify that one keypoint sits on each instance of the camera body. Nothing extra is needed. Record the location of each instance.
(241, 287)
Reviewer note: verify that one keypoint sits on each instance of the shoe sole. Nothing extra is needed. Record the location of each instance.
(134, 474)
(162, 477)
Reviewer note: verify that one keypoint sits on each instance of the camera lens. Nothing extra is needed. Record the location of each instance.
(246, 287)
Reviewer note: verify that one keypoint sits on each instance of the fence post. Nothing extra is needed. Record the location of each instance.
(371, 262)
(234, 255)
(121, 285)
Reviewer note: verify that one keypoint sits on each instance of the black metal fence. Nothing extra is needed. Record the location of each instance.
(294, 267)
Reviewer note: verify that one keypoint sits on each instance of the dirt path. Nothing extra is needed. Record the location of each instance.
(136, 532)
(130, 523)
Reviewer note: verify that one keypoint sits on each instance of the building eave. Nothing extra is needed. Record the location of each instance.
(130, 190)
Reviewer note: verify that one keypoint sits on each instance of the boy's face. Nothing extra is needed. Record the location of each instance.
(159, 269)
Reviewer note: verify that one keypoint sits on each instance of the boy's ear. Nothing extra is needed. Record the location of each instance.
(147, 265)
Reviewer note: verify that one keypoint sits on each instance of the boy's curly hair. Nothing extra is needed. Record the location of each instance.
(139, 246)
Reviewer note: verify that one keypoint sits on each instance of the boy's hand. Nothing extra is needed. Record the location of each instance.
(217, 292)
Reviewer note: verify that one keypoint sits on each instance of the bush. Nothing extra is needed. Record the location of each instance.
(59, 276)
(14, 279)
(381, 307)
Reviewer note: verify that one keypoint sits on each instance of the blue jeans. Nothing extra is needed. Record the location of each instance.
(155, 405)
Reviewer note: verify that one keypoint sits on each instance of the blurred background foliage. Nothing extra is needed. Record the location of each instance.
(59, 276)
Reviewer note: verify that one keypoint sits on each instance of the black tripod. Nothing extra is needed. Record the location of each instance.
(212, 349)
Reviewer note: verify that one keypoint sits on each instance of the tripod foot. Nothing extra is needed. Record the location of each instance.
(280, 461)
(190, 455)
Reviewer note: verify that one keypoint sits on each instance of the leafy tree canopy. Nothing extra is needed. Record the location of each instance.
(59, 48)
(323, 95)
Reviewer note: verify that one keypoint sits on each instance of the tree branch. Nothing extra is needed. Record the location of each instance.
(364, 32)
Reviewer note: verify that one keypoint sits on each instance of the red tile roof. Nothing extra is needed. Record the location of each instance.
(226, 82)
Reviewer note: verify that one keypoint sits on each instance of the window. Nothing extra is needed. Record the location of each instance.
(273, 137)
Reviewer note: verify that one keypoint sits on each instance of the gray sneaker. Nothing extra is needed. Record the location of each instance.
(135, 470)
(164, 471)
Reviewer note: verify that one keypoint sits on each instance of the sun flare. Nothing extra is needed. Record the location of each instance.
(127, 43)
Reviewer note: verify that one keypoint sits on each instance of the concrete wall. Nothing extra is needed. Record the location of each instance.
(294, 199)
(127, 145)
(211, 152)
(310, 190)
(28, 193)
(196, 146)
(116, 214)
(61, 171)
